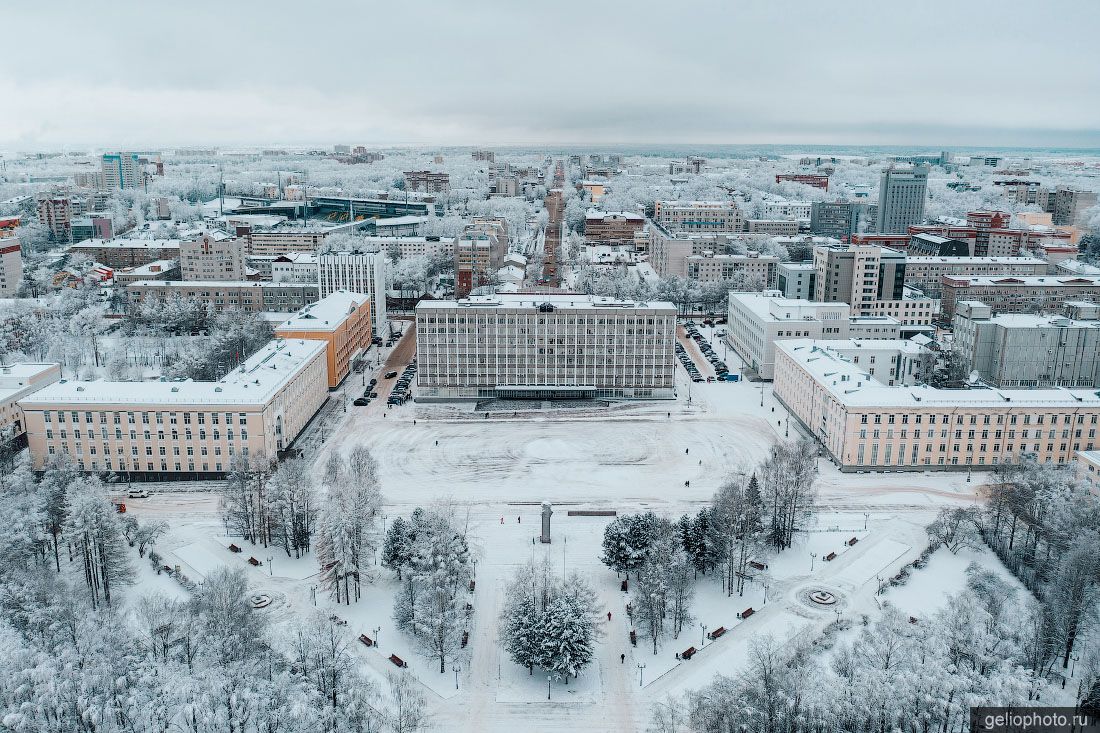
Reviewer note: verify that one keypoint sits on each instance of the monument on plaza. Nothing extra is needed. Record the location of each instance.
(546, 512)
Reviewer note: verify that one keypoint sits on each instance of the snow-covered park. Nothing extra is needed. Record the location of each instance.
(668, 457)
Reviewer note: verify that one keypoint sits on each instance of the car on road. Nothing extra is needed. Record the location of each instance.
(372, 395)
(372, 382)
(391, 375)
(361, 402)
(138, 493)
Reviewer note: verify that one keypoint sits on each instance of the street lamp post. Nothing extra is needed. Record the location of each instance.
(703, 641)
(813, 556)
(641, 673)
(1074, 657)
(269, 563)
(548, 678)
(377, 632)
(456, 668)
(787, 426)
(761, 392)
(837, 612)
(765, 595)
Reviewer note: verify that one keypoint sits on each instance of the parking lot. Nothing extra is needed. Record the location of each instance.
(698, 357)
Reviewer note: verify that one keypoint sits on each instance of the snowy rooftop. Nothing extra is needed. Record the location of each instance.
(125, 242)
(150, 268)
(531, 301)
(255, 382)
(397, 221)
(597, 214)
(1030, 320)
(15, 378)
(209, 284)
(1029, 281)
(974, 260)
(326, 314)
(765, 306)
(853, 387)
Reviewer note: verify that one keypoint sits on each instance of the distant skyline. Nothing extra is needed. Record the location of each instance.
(936, 73)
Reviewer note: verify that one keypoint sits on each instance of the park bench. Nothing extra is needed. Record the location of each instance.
(633, 637)
(469, 608)
(912, 619)
(746, 613)
(853, 541)
(254, 562)
(471, 586)
(830, 556)
(716, 633)
(337, 620)
(623, 586)
(758, 565)
(591, 513)
(465, 638)
(366, 640)
(234, 548)
(398, 661)
(688, 653)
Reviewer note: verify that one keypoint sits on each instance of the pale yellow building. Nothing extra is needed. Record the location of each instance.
(181, 430)
(865, 425)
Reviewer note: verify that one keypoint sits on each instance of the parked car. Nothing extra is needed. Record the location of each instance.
(361, 402)
(138, 493)
(391, 375)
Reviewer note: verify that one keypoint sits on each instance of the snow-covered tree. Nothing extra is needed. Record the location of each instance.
(347, 522)
(95, 531)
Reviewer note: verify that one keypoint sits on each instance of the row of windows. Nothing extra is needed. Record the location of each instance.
(78, 449)
(146, 435)
(132, 417)
(986, 419)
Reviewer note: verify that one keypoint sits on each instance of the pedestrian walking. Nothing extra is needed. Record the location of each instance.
(609, 615)
(519, 520)
(502, 520)
(622, 659)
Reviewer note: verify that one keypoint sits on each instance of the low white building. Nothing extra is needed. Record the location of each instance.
(756, 321)
(295, 267)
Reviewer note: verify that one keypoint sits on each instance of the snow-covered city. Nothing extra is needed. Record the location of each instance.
(332, 403)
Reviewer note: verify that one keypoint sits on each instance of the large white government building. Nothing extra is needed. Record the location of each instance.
(545, 347)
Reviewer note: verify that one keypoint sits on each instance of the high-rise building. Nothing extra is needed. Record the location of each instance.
(1068, 205)
(543, 347)
(212, 258)
(55, 212)
(427, 182)
(122, 170)
(357, 272)
(872, 280)
(901, 196)
(11, 267)
(840, 219)
(983, 222)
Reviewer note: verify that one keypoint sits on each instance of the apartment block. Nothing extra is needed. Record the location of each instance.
(1088, 469)
(181, 430)
(747, 271)
(11, 267)
(933, 245)
(542, 347)
(342, 321)
(477, 256)
(122, 170)
(254, 297)
(872, 280)
(1028, 350)
(901, 197)
(427, 182)
(611, 227)
(840, 219)
(120, 253)
(157, 270)
(1039, 239)
(927, 273)
(983, 222)
(55, 211)
(785, 209)
(772, 227)
(699, 217)
(399, 248)
(296, 267)
(356, 272)
(1018, 294)
(1068, 205)
(212, 258)
(756, 321)
(808, 179)
(867, 425)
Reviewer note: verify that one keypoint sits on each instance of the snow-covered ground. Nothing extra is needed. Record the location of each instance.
(666, 456)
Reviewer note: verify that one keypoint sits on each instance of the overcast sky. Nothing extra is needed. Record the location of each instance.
(919, 72)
